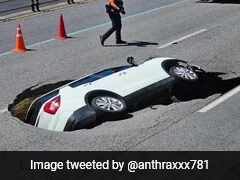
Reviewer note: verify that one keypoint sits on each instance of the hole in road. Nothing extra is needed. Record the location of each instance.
(219, 1)
(209, 84)
(22, 102)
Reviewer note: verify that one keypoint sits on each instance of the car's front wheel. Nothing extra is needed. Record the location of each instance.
(108, 104)
(183, 73)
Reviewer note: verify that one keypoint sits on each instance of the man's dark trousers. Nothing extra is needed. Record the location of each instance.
(116, 26)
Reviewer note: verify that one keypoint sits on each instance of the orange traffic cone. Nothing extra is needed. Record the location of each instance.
(61, 29)
(20, 47)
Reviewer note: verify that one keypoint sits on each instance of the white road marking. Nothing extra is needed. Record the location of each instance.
(182, 38)
(221, 99)
(3, 111)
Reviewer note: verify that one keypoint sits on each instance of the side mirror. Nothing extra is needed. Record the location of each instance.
(131, 61)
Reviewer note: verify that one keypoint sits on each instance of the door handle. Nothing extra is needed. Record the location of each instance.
(87, 84)
(122, 73)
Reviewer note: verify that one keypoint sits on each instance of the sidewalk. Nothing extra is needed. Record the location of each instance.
(15, 9)
(12, 6)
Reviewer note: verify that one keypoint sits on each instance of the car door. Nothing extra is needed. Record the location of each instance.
(144, 75)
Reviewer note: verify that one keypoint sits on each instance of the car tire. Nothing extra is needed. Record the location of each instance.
(108, 104)
(184, 74)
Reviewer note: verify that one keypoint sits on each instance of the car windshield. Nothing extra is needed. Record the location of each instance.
(98, 75)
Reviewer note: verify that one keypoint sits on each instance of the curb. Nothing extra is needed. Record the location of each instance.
(1, 2)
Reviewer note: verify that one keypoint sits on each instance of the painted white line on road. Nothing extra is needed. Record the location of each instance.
(182, 38)
(3, 111)
(100, 25)
(43, 42)
(221, 99)
(156, 9)
(5, 53)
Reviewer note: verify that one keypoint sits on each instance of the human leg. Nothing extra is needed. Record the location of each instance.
(118, 30)
(37, 5)
(32, 5)
(111, 30)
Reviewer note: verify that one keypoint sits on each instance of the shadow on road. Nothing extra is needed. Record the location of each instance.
(135, 43)
(219, 1)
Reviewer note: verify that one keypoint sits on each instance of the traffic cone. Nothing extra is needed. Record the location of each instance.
(20, 47)
(61, 29)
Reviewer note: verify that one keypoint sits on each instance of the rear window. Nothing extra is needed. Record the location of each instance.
(98, 75)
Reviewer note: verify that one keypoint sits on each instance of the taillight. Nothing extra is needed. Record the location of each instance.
(52, 106)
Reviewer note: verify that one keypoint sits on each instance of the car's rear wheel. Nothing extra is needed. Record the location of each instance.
(108, 104)
(183, 73)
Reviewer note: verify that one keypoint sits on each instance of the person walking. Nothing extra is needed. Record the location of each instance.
(35, 3)
(70, 1)
(114, 8)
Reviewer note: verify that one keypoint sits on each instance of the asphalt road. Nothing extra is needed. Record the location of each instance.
(38, 27)
(207, 34)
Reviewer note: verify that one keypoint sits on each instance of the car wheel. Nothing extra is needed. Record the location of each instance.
(108, 104)
(183, 73)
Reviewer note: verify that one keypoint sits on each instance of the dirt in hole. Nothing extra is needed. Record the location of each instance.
(22, 102)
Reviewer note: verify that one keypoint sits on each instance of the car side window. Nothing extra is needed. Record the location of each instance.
(98, 75)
